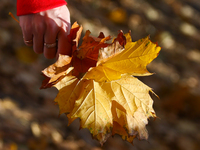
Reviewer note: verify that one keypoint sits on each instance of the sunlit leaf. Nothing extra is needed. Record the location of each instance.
(96, 84)
(132, 60)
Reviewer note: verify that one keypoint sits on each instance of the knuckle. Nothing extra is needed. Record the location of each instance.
(27, 28)
(51, 25)
(39, 28)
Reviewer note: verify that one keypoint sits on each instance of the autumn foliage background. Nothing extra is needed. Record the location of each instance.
(28, 116)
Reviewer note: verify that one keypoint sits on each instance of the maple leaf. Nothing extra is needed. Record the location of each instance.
(96, 84)
(117, 107)
(65, 98)
(55, 72)
(132, 105)
(86, 55)
(132, 60)
(93, 108)
(82, 57)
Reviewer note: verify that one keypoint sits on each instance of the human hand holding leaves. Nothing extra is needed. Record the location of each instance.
(96, 84)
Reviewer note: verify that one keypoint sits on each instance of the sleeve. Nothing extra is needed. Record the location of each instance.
(25, 7)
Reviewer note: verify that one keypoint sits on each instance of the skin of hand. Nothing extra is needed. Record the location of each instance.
(50, 26)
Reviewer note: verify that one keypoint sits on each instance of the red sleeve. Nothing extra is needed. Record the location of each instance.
(25, 7)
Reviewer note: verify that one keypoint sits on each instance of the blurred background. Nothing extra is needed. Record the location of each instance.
(28, 117)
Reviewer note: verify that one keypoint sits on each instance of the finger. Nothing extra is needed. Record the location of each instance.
(50, 45)
(64, 45)
(38, 38)
(27, 34)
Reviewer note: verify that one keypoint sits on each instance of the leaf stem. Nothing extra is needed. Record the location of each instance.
(13, 16)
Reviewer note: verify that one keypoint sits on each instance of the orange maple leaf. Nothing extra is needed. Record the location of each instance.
(86, 55)
(83, 57)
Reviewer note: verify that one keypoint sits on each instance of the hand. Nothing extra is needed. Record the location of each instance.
(47, 31)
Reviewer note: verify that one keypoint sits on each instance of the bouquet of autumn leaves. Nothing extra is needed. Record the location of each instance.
(97, 85)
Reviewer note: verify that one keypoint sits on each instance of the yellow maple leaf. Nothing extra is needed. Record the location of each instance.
(108, 100)
(125, 101)
(93, 108)
(132, 60)
(66, 96)
(132, 105)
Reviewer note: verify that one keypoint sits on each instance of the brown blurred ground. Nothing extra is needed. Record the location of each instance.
(28, 117)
